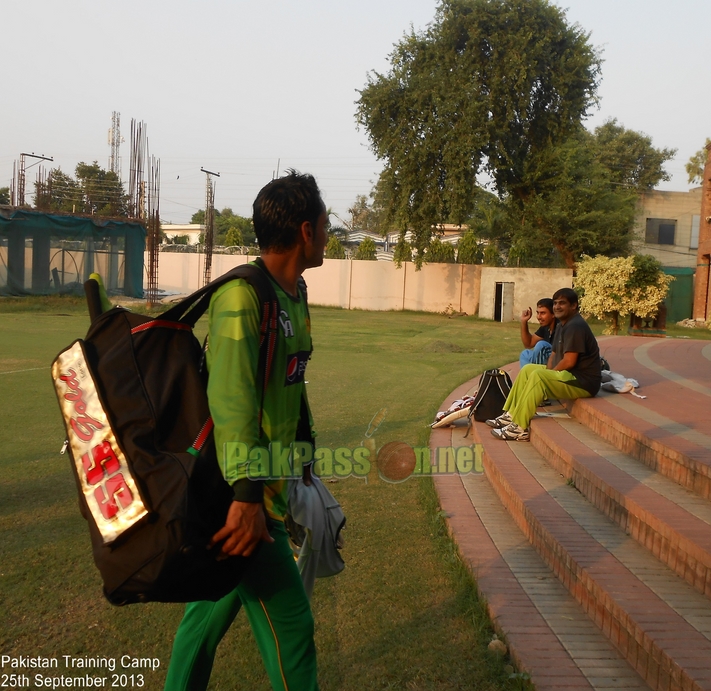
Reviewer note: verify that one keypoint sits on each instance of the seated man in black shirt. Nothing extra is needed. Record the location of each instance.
(573, 371)
(537, 346)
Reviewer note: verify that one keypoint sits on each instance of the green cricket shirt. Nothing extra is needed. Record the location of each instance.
(234, 387)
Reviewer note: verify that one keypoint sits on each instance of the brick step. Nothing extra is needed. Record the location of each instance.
(669, 430)
(548, 633)
(691, 605)
(657, 635)
(671, 521)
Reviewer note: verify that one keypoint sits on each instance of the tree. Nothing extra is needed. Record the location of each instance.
(362, 215)
(615, 288)
(492, 255)
(233, 237)
(697, 163)
(575, 208)
(629, 156)
(402, 252)
(488, 87)
(102, 190)
(582, 197)
(366, 250)
(439, 252)
(334, 249)
(61, 192)
(4, 195)
(226, 220)
(95, 191)
(469, 250)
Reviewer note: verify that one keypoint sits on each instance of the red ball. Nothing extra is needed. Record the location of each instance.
(396, 461)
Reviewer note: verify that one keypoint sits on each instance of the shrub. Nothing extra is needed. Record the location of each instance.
(366, 250)
(440, 252)
(614, 288)
(469, 250)
(334, 249)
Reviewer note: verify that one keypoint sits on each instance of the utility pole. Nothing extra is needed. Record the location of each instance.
(18, 197)
(209, 222)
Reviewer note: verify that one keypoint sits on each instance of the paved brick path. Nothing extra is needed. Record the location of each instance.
(592, 544)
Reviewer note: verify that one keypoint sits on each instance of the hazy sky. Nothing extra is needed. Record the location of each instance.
(238, 85)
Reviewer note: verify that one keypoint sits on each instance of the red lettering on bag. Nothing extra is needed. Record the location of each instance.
(83, 425)
(103, 461)
(115, 490)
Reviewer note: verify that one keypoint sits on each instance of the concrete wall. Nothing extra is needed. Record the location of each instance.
(181, 272)
(382, 286)
(330, 284)
(530, 285)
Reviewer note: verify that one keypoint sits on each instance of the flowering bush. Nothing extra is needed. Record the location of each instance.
(614, 288)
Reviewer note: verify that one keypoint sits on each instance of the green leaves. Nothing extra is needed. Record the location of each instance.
(695, 165)
(366, 250)
(614, 288)
(486, 87)
(334, 249)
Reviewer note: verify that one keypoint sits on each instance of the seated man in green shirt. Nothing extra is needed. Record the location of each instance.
(573, 371)
(290, 224)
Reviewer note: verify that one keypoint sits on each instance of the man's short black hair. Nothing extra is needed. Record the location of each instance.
(282, 206)
(547, 303)
(568, 294)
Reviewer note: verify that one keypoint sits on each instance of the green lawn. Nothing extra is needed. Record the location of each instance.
(403, 615)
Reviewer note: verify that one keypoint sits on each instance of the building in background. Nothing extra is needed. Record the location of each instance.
(667, 227)
(192, 231)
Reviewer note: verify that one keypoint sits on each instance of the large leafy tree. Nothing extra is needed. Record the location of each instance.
(4, 195)
(575, 207)
(582, 196)
(488, 87)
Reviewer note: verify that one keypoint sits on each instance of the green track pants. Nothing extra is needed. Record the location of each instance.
(533, 385)
(279, 613)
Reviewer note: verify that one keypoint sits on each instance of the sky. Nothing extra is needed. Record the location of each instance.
(247, 87)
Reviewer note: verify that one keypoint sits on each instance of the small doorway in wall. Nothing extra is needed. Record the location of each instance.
(503, 302)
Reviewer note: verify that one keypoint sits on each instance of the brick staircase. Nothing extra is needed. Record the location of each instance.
(592, 544)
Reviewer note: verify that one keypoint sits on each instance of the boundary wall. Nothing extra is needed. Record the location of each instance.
(378, 286)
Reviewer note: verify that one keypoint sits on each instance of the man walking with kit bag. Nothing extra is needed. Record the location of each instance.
(290, 223)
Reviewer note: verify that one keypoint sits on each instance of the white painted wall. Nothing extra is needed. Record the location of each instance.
(376, 285)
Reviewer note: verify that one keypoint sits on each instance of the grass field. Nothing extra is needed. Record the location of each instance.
(403, 615)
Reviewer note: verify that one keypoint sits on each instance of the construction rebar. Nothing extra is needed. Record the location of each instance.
(154, 238)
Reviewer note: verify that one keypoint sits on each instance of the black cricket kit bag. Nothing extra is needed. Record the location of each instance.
(133, 395)
(488, 403)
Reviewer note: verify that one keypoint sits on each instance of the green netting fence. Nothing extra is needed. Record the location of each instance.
(42, 253)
